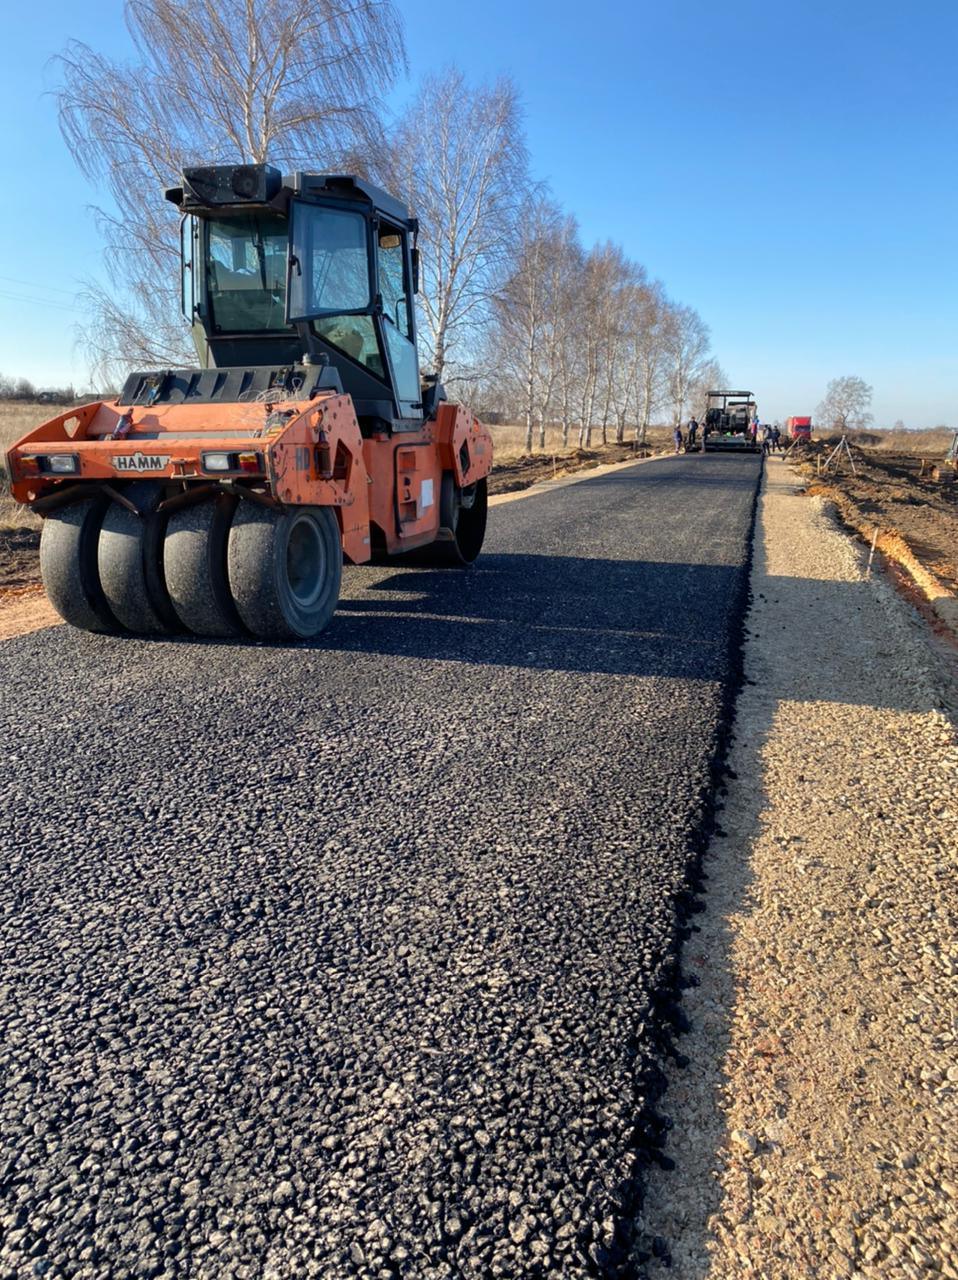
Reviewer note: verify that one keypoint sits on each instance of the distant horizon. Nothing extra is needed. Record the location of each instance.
(820, 245)
(102, 394)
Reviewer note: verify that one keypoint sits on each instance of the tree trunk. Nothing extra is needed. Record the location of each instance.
(593, 387)
(530, 381)
(642, 429)
(439, 354)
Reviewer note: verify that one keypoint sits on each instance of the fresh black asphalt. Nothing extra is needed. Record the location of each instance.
(350, 959)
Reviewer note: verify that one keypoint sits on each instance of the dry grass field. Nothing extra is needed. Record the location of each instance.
(923, 444)
(509, 441)
(16, 419)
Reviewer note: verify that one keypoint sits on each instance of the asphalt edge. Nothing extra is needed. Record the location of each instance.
(632, 1248)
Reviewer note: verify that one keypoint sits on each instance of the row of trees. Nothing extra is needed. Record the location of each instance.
(24, 389)
(582, 338)
(515, 311)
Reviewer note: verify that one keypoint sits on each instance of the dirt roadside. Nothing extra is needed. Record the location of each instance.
(518, 473)
(890, 493)
(816, 1129)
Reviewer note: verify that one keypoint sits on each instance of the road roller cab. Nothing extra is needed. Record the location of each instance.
(223, 499)
(321, 267)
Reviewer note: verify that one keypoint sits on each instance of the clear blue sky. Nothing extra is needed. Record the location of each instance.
(789, 170)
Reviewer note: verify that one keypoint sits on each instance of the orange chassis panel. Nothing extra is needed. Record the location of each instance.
(307, 452)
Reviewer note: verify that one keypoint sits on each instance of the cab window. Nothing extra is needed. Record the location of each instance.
(246, 272)
(329, 260)
(356, 336)
(392, 285)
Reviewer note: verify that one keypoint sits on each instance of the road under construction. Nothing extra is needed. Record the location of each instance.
(357, 956)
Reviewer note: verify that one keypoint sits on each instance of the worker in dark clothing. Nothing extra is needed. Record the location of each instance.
(776, 437)
(677, 437)
(693, 432)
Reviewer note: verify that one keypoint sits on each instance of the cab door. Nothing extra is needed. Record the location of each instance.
(399, 330)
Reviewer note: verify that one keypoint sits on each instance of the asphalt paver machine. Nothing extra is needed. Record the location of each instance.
(729, 418)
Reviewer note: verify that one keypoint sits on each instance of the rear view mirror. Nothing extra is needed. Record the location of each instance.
(415, 270)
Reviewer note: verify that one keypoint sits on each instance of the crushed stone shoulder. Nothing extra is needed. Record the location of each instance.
(816, 1130)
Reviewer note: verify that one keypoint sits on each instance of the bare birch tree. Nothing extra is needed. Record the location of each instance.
(459, 160)
(625, 379)
(530, 311)
(295, 82)
(562, 261)
(623, 277)
(520, 308)
(650, 357)
(845, 407)
(710, 377)
(594, 282)
(570, 329)
(687, 348)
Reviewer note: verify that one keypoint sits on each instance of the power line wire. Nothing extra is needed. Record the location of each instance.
(32, 284)
(38, 302)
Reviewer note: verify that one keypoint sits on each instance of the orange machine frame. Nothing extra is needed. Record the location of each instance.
(295, 453)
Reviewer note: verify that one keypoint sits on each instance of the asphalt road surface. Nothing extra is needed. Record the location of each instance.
(344, 959)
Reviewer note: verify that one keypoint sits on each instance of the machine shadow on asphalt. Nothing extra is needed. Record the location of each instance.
(613, 617)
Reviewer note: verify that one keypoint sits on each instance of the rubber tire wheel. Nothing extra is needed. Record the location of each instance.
(68, 565)
(467, 524)
(130, 559)
(471, 524)
(260, 567)
(194, 566)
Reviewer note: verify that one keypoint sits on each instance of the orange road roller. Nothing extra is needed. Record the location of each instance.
(223, 500)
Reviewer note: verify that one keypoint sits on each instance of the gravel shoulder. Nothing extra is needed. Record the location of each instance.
(816, 1129)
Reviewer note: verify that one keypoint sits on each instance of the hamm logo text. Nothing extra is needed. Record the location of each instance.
(141, 462)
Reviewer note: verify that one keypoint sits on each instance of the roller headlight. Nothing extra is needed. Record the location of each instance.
(61, 464)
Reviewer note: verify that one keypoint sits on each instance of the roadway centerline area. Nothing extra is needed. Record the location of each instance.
(345, 958)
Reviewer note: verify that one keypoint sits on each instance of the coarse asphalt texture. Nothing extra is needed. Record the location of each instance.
(351, 958)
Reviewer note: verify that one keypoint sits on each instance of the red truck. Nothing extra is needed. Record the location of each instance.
(798, 428)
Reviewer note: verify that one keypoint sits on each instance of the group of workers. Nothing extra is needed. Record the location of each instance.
(688, 442)
(768, 437)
